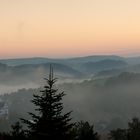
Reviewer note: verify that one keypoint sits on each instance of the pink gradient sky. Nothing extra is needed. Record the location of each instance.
(66, 28)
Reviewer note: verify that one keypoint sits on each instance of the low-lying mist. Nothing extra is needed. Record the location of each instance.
(104, 92)
(108, 102)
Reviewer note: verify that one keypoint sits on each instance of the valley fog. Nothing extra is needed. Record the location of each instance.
(104, 91)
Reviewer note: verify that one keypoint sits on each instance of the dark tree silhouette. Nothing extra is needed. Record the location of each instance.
(131, 133)
(134, 129)
(85, 131)
(49, 122)
(17, 132)
(118, 134)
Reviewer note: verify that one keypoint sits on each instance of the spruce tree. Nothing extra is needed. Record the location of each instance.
(85, 131)
(49, 122)
(17, 132)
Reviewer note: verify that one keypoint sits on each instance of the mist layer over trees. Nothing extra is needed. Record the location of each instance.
(104, 93)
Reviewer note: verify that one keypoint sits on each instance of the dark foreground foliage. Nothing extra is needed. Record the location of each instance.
(85, 131)
(49, 122)
(131, 133)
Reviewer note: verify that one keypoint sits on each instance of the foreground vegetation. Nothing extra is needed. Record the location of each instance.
(50, 122)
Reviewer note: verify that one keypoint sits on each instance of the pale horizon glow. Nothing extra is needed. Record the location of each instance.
(69, 28)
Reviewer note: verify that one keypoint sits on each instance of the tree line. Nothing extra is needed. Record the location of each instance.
(51, 123)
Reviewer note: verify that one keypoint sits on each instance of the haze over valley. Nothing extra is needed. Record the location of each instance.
(70, 69)
(103, 89)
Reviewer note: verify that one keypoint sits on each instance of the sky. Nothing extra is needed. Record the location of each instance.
(67, 28)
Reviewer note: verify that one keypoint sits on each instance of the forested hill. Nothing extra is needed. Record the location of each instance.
(95, 100)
